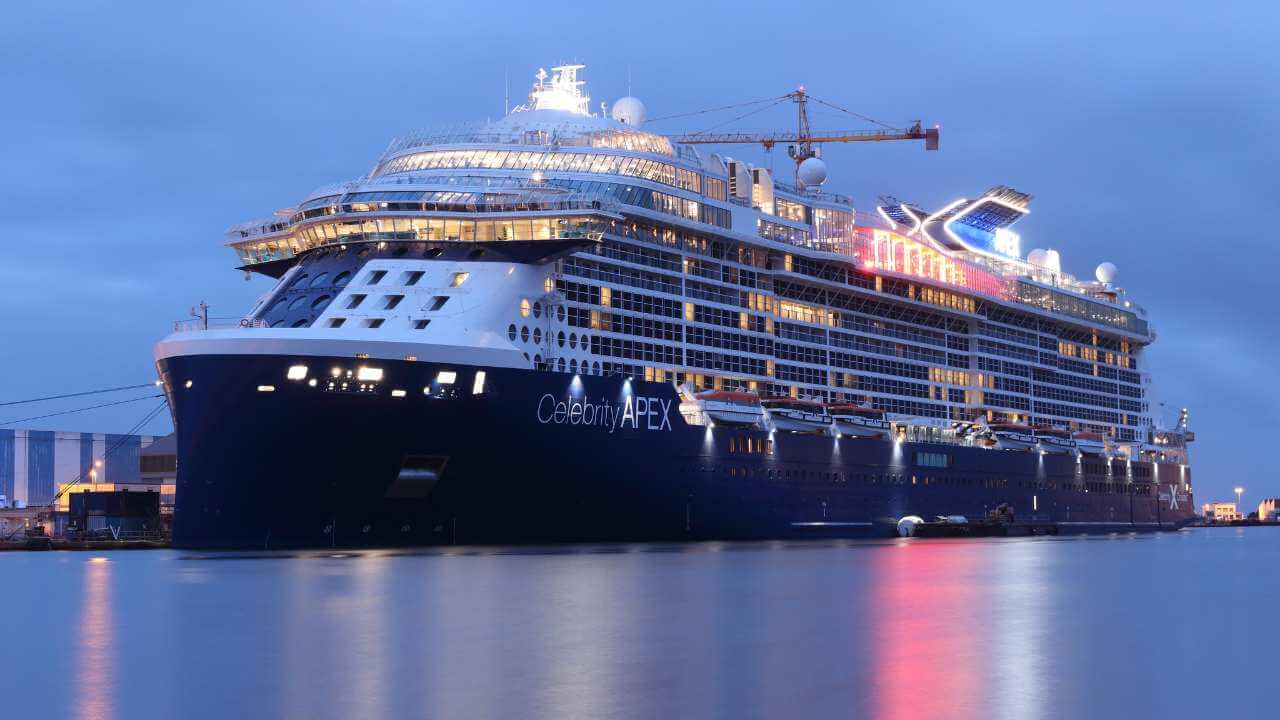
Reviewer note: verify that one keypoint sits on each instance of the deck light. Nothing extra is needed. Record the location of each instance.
(266, 388)
(397, 393)
(297, 372)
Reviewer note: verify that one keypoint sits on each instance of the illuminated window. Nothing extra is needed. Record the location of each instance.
(524, 308)
(446, 377)
(477, 387)
(459, 278)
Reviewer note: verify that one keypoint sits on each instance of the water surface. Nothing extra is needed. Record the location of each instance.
(1170, 625)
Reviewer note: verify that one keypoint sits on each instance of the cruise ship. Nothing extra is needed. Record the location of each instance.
(560, 326)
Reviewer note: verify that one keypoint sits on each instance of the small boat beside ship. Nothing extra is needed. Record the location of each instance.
(859, 421)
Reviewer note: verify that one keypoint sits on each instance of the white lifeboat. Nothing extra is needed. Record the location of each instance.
(1055, 441)
(725, 407)
(798, 416)
(859, 421)
(1011, 436)
(1092, 444)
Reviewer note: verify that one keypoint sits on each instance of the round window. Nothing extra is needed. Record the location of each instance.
(342, 278)
(573, 366)
(320, 302)
(300, 281)
(537, 336)
(537, 309)
(573, 340)
(299, 323)
(511, 332)
(560, 338)
(560, 313)
(560, 364)
(319, 280)
(524, 334)
(297, 301)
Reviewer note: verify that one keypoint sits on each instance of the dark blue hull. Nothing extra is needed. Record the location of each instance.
(539, 457)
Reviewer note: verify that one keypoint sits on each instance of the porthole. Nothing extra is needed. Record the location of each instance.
(277, 323)
(573, 366)
(524, 333)
(560, 338)
(560, 364)
(342, 278)
(319, 280)
(573, 340)
(511, 332)
(297, 301)
(299, 323)
(524, 308)
(537, 336)
(560, 313)
(595, 368)
(300, 281)
(364, 251)
(320, 302)
(537, 361)
(537, 309)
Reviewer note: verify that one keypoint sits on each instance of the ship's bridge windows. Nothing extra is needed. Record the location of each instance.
(375, 277)
(354, 301)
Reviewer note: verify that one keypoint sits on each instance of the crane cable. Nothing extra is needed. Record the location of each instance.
(77, 410)
(75, 394)
(740, 117)
(111, 450)
(850, 112)
(715, 109)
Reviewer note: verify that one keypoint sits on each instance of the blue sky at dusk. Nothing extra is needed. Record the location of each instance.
(135, 133)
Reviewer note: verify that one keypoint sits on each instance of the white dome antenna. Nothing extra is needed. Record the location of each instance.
(629, 111)
(812, 172)
(1106, 273)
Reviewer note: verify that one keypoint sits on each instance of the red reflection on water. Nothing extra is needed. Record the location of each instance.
(94, 675)
(926, 658)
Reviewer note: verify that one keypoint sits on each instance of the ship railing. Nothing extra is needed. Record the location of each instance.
(227, 323)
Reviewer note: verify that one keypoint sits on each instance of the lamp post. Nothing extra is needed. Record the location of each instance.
(1239, 509)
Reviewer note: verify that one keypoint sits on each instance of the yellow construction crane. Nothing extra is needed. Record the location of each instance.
(803, 139)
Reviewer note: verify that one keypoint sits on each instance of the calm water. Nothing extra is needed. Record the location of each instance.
(1176, 625)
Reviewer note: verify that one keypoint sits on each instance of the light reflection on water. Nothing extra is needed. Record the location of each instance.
(1034, 628)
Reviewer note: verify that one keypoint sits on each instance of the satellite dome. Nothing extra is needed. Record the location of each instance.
(628, 111)
(812, 171)
(1106, 273)
(1038, 257)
